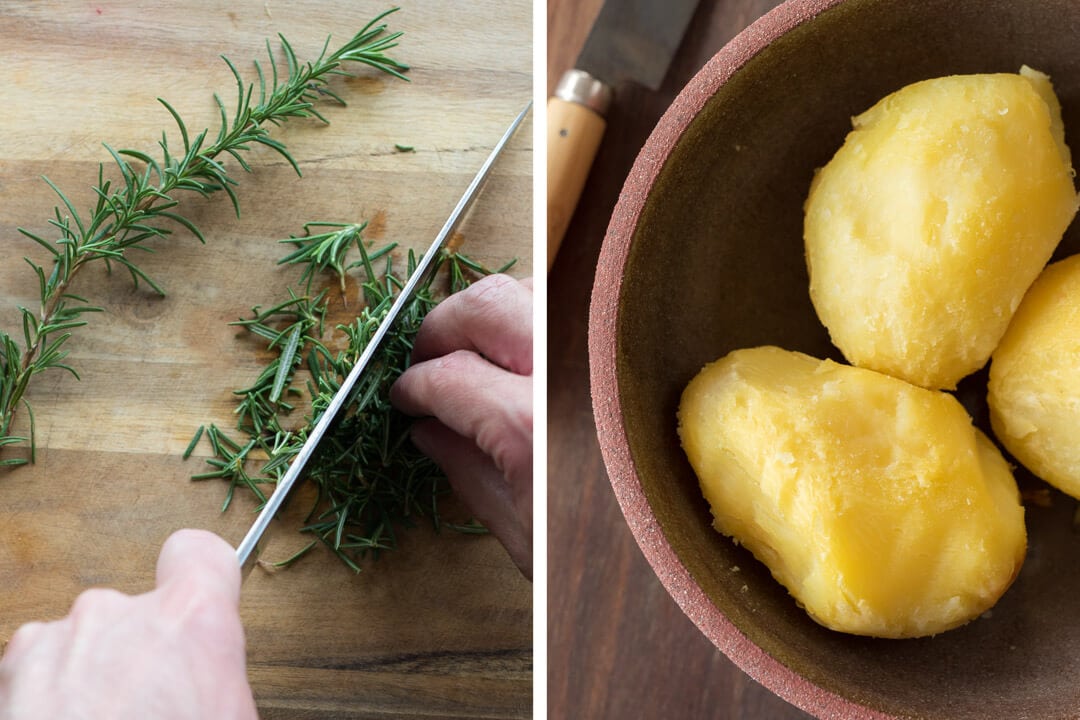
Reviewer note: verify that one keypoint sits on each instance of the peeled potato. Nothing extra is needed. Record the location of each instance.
(876, 503)
(1034, 388)
(925, 229)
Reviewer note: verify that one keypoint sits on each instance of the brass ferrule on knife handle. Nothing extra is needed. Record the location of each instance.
(578, 86)
(576, 126)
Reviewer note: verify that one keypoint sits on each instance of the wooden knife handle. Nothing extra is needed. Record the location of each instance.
(574, 132)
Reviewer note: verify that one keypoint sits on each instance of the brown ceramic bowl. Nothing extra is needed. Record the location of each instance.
(704, 255)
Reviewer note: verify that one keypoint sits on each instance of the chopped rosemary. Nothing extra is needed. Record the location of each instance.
(194, 442)
(370, 479)
(140, 206)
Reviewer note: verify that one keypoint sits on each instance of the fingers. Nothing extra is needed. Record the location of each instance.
(475, 399)
(502, 507)
(198, 558)
(492, 317)
(472, 376)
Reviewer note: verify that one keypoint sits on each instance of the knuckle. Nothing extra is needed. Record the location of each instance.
(488, 295)
(202, 615)
(493, 283)
(96, 600)
(451, 366)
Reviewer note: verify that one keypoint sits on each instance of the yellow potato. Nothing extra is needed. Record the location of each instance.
(927, 226)
(1034, 389)
(876, 503)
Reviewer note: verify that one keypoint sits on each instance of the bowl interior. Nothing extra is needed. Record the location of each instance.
(716, 263)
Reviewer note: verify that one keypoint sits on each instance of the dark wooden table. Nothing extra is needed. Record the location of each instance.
(618, 645)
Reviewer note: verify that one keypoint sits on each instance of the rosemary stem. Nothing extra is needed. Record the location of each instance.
(140, 208)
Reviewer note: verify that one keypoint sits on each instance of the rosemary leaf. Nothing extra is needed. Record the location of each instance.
(194, 442)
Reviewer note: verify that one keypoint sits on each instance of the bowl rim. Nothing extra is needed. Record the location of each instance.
(607, 406)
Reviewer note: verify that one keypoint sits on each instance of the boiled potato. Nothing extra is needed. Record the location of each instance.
(925, 229)
(876, 503)
(1034, 388)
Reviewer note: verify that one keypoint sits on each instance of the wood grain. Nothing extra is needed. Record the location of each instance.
(618, 645)
(441, 628)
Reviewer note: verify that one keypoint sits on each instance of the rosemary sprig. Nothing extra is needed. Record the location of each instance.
(370, 480)
(324, 251)
(140, 207)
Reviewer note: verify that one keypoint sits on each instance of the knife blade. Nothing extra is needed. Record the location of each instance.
(247, 551)
(631, 40)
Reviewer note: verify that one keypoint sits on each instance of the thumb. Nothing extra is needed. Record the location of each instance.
(199, 558)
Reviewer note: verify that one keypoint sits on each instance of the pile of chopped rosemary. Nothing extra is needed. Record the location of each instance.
(370, 479)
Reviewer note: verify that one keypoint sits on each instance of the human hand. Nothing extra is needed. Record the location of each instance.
(174, 653)
(472, 374)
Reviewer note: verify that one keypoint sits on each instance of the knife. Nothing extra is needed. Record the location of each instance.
(247, 551)
(631, 40)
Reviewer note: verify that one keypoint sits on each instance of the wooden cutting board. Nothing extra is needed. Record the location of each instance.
(441, 627)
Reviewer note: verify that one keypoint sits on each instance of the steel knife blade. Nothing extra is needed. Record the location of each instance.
(635, 40)
(631, 40)
(248, 550)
